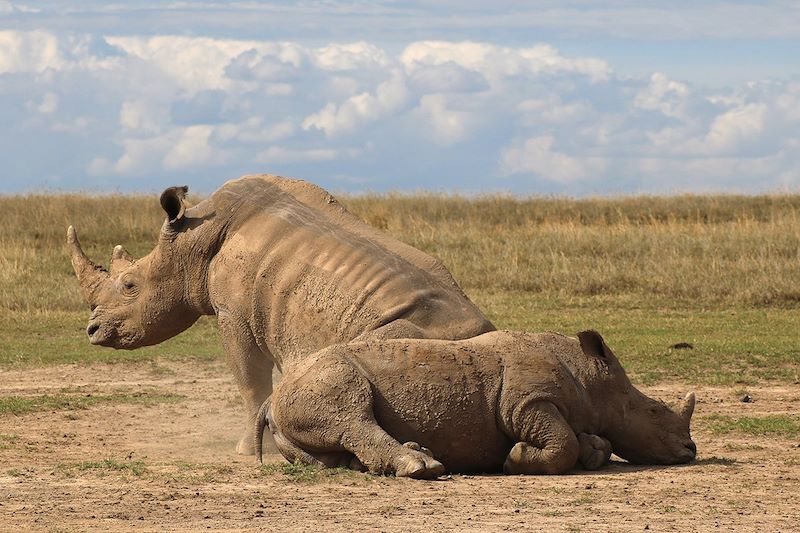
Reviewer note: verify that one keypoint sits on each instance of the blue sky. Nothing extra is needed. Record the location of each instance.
(531, 97)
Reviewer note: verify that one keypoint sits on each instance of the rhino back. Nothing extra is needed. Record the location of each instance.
(441, 394)
(317, 197)
(310, 276)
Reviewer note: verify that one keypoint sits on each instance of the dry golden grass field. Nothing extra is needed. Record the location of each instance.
(94, 439)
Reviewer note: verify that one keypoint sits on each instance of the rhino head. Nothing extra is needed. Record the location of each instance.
(140, 302)
(641, 430)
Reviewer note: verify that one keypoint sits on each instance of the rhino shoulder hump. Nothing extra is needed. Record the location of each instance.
(323, 201)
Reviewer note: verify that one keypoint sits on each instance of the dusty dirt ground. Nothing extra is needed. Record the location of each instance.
(172, 468)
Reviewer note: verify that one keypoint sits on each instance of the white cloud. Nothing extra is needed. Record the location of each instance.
(525, 118)
(663, 95)
(195, 63)
(448, 77)
(8, 8)
(277, 154)
(360, 109)
(787, 104)
(175, 150)
(49, 103)
(442, 124)
(192, 149)
(266, 61)
(33, 51)
(538, 156)
(76, 126)
(734, 129)
(100, 166)
(40, 51)
(552, 110)
(253, 131)
(497, 62)
(140, 155)
(142, 116)
(350, 56)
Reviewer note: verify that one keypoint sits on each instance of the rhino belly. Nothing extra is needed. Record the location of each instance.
(455, 418)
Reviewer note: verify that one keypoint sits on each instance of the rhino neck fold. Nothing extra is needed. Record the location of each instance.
(194, 249)
(601, 409)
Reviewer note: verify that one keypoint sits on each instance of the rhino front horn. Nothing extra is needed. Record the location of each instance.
(687, 407)
(90, 276)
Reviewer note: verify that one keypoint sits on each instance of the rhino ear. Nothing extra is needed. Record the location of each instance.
(173, 201)
(593, 345)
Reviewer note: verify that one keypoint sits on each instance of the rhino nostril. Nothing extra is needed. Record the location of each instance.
(92, 329)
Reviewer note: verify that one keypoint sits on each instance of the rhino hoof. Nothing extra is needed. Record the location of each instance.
(245, 445)
(594, 451)
(356, 465)
(417, 464)
(416, 447)
(594, 460)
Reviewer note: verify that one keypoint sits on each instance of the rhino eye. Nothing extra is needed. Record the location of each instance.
(128, 287)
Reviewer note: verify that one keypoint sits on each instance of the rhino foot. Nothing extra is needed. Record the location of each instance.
(594, 451)
(357, 465)
(415, 446)
(525, 458)
(418, 463)
(246, 446)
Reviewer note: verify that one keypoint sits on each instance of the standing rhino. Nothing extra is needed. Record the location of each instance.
(286, 270)
(521, 402)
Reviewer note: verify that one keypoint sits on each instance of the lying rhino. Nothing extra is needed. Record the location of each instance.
(524, 403)
(286, 270)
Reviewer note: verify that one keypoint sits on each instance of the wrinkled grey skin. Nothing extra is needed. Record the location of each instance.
(286, 270)
(522, 403)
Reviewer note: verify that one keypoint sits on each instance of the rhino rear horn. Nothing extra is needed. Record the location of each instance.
(90, 276)
(687, 407)
(120, 258)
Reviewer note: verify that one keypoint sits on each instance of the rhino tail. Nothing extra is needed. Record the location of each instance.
(262, 420)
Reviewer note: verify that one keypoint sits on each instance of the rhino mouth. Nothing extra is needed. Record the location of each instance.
(98, 335)
(679, 454)
(689, 453)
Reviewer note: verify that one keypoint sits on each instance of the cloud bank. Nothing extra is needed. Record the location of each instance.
(82, 111)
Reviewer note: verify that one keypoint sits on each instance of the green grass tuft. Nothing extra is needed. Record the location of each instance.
(714, 460)
(303, 473)
(186, 472)
(20, 405)
(7, 441)
(136, 468)
(780, 425)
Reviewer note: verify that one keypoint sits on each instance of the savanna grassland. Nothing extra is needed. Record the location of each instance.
(719, 272)
(117, 440)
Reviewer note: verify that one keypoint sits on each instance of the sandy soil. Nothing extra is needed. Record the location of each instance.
(173, 468)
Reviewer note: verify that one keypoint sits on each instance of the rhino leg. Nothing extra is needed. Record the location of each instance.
(342, 420)
(252, 371)
(595, 451)
(547, 444)
(294, 454)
